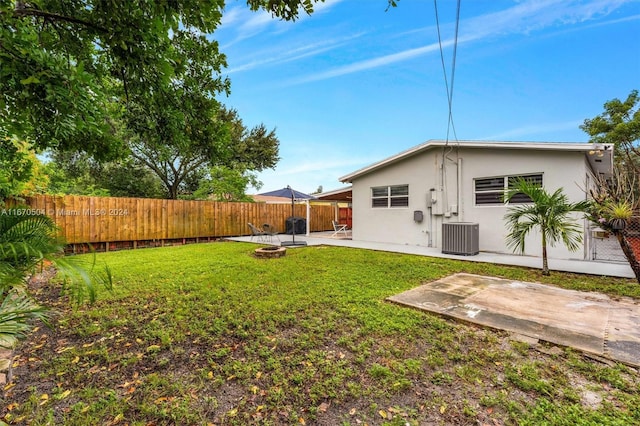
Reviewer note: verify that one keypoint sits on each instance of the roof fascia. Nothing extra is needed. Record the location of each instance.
(434, 143)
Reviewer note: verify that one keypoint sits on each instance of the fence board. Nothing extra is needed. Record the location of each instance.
(110, 219)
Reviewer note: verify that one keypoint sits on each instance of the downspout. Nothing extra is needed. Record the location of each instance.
(429, 206)
(459, 185)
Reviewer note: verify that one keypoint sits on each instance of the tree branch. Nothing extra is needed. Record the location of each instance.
(20, 12)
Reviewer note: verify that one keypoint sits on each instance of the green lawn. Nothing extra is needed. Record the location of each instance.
(208, 334)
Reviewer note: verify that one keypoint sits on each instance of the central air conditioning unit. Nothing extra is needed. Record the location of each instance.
(460, 238)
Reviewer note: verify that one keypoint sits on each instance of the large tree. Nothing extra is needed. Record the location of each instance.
(181, 154)
(617, 199)
(79, 174)
(220, 165)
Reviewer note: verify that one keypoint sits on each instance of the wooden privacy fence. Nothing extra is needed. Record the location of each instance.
(111, 223)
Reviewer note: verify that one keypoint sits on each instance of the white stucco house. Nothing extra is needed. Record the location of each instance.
(407, 198)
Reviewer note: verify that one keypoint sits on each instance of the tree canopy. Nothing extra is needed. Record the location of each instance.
(64, 64)
(617, 198)
(195, 167)
(619, 124)
(130, 77)
(59, 60)
(182, 161)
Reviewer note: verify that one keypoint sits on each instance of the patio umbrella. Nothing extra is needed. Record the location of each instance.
(289, 192)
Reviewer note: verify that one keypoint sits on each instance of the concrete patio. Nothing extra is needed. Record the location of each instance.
(590, 322)
(609, 269)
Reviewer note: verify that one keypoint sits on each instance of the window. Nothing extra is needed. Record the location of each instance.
(390, 196)
(489, 191)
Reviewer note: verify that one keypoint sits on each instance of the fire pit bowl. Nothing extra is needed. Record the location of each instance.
(271, 252)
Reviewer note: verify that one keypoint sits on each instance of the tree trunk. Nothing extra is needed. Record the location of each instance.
(545, 261)
(628, 253)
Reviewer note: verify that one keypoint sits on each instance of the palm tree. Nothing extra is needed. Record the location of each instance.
(25, 242)
(550, 213)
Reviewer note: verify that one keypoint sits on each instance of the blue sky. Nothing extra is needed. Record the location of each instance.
(352, 84)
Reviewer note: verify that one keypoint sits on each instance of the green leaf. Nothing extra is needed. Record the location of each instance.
(30, 80)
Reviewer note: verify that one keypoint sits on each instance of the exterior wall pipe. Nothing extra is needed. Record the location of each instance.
(459, 190)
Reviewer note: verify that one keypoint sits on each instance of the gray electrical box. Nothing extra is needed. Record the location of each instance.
(418, 216)
(437, 202)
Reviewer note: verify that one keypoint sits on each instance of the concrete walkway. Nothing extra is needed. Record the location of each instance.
(590, 322)
(591, 267)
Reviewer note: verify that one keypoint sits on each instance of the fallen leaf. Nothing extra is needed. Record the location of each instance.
(383, 414)
(443, 408)
(324, 407)
(352, 411)
(66, 348)
(76, 360)
(44, 396)
(301, 421)
(117, 419)
(64, 394)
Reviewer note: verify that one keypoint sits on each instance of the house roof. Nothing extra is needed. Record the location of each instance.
(600, 156)
(342, 194)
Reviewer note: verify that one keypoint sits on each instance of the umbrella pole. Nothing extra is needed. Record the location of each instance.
(293, 221)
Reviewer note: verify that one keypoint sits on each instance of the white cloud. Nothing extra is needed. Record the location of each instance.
(295, 53)
(371, 63)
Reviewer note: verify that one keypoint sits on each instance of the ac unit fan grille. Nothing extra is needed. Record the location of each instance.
(460, 238)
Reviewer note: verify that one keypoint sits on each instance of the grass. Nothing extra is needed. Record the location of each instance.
(208, 334)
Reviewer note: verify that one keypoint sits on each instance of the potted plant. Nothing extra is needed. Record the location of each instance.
(619, 212)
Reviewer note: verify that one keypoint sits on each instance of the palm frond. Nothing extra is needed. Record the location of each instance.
(81, 277)
(552, 214)
(16, 312)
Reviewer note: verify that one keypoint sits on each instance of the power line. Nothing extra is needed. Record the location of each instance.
(450, 123)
